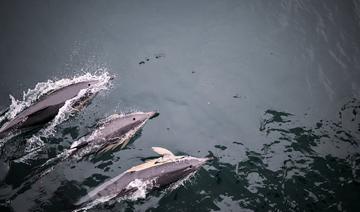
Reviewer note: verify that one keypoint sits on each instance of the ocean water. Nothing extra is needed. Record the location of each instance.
(270, 89)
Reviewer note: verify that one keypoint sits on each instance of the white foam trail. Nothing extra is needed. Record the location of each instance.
(141, 188)
(29, 97)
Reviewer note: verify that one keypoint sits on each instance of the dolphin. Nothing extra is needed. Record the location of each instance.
(47, 107)
(115, 131)
(155, 173)
(112, 132)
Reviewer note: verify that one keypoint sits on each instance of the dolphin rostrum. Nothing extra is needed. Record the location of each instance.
(47, 107)
(155, 173)
(115, 131)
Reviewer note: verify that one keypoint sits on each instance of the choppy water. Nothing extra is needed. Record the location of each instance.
(270, 89)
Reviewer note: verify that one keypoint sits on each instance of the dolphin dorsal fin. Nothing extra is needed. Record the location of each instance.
(163, 151)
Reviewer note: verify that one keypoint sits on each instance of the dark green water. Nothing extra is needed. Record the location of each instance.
(270, 89)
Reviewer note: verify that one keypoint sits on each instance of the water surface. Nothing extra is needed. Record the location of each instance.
(270, 89)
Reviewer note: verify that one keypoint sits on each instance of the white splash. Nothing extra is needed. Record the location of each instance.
(41, 89)
(142, 186)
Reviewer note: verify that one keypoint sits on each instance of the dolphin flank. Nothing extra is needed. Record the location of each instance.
(155, 173)
(47, 107)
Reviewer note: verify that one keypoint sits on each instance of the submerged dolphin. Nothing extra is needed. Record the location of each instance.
(47, 107)
(115, 131)
(155, 173)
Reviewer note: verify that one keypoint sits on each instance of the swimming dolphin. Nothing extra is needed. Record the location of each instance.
(115, 131)
(112, 132)
(155, 173)
(47, 107)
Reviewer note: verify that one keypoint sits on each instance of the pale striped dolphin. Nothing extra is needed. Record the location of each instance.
(155, 173)
(115, 131)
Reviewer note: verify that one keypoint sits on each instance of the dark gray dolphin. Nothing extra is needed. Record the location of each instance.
(115, 131)
(152, 174)
(47, 107)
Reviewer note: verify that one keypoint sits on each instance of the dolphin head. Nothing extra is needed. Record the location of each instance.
(92, 83)
(140, 116)
(131, 121)
(123, 124)
(88, 83)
